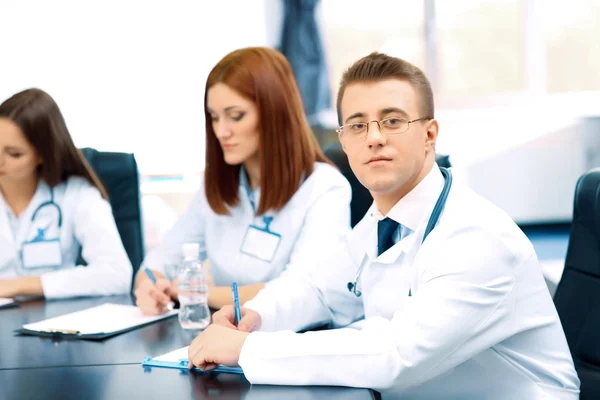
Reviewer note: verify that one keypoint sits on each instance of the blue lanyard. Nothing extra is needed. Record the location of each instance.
(266, 219)
(251, 198)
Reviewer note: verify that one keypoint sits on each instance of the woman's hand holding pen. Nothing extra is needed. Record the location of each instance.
(154, 296)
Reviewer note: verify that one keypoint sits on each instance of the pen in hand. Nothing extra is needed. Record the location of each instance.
(153, 279)
(236, 303)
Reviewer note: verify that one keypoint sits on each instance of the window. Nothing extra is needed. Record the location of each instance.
(479, 47)
(355, 28)
(571, 33)
(128, 75)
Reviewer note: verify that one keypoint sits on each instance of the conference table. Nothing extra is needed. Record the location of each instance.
(34, 367)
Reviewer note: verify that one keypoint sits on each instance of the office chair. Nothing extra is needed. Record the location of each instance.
(119, 174)
(577, 296)
(361, 198)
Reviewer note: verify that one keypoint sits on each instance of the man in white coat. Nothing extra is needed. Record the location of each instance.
(463, 314)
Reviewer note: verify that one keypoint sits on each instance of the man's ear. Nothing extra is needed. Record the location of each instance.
(339, 114)
(342, 143)
(432, 135)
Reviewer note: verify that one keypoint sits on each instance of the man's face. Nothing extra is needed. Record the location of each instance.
(386, 163)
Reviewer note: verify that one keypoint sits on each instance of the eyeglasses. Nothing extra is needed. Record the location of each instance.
(388, 127)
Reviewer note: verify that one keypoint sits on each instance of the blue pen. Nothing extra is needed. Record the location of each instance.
(236, 302)
(150, 275)
(153, 279)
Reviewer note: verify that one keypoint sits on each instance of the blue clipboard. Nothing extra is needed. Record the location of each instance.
(182, 365)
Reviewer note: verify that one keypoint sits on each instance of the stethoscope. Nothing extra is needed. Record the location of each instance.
(433, 220)
(50, 203)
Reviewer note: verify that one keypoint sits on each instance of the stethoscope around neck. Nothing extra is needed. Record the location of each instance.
(50, 203)
(433, 220)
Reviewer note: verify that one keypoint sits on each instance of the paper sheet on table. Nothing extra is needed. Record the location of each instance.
(174, 356)
(5, 303)
(103, 319)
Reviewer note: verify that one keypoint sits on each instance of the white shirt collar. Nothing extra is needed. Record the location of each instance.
(411, 209)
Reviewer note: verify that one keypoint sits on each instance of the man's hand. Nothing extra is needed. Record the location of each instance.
(226, 317)
(216, 345)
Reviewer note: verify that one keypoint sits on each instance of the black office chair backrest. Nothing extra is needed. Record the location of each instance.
(361, 198)
(119, 174)
(577, 296)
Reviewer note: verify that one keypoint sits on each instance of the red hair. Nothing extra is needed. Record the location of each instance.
(288, 148)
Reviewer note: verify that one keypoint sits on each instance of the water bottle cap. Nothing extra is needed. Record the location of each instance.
(191, 251)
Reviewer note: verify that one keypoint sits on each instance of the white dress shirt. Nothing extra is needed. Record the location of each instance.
(313, 222)
(88, 228)
(479, 323)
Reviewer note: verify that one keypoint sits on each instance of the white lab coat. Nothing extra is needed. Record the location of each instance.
(314, 221)
(88, 227)
(480, 322)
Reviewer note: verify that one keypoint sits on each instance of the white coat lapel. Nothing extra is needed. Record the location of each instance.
(394, 252)
(27, 226)
(6, 233)
(8, 250)
(363, 241)
(360, 241)
(408, 244)
(419, 270)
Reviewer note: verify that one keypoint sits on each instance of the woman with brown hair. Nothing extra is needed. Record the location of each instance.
(270, 201)
(53, 209)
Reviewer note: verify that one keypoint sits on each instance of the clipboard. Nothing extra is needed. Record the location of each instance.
(175, 360)
(182, 365)
(95, 323)
(7, 303)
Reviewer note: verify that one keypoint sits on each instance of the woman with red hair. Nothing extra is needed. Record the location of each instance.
(270, 201)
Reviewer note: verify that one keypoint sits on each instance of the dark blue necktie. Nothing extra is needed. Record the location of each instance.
(385, 234)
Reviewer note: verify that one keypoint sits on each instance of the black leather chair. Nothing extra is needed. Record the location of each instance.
(577, 296)
(119, 174)
(361, 198)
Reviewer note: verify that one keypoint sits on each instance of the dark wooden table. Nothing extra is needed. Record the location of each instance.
(132, 382)
(45, 368)
(131, 347)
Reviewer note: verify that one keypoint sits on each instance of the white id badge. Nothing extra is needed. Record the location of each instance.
(260, 243)
(41, 254)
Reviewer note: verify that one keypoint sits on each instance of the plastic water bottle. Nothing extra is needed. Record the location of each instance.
(193, 290)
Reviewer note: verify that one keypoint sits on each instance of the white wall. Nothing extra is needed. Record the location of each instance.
(525, 157)
(129, 75)
(535, 182)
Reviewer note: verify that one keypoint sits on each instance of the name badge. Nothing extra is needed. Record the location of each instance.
(41, 253)
(261, 243)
